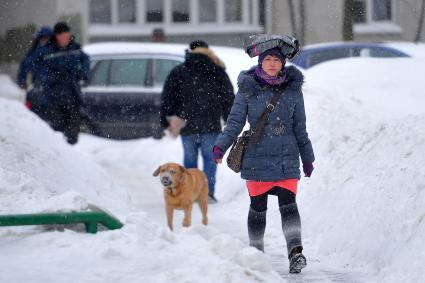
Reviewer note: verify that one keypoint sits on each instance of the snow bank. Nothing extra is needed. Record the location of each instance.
(139, 252)
(361, 209)
(363, 206)
(387, 88)
(8, 89)
(40, 172)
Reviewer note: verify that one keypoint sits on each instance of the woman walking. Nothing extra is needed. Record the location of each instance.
(271, 166)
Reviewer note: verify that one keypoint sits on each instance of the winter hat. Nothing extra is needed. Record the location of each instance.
(274, 52)
(44, 32)
(60, 28)
(198, 43)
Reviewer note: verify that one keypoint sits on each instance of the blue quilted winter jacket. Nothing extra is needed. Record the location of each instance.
(26, 66)
(284, 138)
(61, 70)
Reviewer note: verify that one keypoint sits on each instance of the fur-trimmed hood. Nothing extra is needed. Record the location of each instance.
(208, 52)
(248, 84)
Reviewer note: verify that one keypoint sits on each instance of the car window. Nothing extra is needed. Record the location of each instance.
(326, 55)
(128, 72)
(379, 52)
(162, 68)
(99, 73)
(301, 59)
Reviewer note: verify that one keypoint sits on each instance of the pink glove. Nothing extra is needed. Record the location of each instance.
(217, 154)
(308, 169)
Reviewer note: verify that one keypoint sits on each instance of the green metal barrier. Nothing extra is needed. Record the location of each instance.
(89, 218)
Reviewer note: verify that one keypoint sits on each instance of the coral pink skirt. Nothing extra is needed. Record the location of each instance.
(256, 188)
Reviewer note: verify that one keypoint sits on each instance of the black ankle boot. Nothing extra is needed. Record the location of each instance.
(297, 260)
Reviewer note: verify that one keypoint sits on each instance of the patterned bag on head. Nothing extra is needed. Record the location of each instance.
(258, 43)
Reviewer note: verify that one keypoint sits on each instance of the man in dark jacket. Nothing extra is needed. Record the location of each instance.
(62, 66)
(196, 95)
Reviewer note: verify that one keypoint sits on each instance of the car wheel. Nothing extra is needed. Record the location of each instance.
(87, 127)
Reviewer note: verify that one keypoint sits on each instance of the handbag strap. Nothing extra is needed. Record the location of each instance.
(259, 126)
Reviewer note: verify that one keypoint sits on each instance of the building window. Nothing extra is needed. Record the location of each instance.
(207, 11)
(382, 10)
(138, 17)
(100, 11)
(360, 11)
(233, 11)
(154, 11)
(368, 11)
(181, 10)
(127, 11)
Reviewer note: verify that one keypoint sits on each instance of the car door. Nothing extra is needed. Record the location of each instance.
(119, 91)
(162, 67)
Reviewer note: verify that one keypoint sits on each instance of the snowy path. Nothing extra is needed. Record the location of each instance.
(360, 216)
(228, 216)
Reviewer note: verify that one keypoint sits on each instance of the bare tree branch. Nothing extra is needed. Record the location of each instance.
(420, 23)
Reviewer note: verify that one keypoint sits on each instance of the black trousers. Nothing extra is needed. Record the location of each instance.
(291, 222)
(66, 119)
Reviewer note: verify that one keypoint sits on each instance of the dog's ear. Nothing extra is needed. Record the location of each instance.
(156, 173)
(182, 169)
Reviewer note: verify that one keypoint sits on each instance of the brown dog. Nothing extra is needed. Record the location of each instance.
(182, 187)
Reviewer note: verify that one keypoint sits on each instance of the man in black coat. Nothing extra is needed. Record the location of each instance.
(196, 95)
(63, 65)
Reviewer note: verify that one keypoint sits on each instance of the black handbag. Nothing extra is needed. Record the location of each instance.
(235, 157)
(234, 160)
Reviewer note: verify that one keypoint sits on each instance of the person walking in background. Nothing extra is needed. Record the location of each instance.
(34, 98)
(158, 35)
(271, 166)
(196, 95)
(63, 65)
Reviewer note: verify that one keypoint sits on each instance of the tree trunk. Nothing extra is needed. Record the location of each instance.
(421, 23)
(293, 18)
(303, 22)
(347, 29)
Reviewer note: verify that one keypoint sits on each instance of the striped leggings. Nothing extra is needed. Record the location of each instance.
(291, 223)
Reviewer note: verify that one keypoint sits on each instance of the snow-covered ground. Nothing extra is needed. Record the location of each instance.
(362, 210)
(10, 90)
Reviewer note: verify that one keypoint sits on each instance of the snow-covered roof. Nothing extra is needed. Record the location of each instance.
(105, 48)
(413, 49)
(235, 59)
